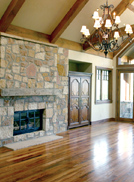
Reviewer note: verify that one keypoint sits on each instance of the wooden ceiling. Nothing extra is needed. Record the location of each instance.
(55, 21)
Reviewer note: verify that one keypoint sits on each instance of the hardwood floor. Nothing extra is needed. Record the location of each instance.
(98, 153)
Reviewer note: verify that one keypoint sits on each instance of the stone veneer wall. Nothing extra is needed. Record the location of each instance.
(26, 65)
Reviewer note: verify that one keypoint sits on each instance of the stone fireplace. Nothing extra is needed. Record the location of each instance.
(33, 75)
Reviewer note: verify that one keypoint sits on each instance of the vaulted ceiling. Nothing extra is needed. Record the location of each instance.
(56, 20)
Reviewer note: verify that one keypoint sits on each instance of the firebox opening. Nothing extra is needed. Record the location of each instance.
(27, 121)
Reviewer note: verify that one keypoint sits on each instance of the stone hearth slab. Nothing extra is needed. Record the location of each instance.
(32, 142)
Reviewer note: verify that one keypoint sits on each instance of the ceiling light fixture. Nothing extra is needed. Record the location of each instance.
(105, 38)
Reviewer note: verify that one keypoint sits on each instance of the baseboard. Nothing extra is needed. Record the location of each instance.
(102, 121)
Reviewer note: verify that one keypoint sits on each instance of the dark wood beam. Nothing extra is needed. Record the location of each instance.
(68, 18)
(26, 33)
(10, 13)
(124, 44)
(122, 6)
(131, 7)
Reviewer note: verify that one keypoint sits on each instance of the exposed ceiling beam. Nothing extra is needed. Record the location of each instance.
(123, 45)
(131, 7)
(122, 6)
(68, 18)
(10, 13)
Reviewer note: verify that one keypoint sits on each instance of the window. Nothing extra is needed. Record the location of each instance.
(103, 85)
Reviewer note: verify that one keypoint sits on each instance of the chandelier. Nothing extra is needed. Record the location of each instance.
(107, 32)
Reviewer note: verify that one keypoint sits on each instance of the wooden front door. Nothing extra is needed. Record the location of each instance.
(79, 99)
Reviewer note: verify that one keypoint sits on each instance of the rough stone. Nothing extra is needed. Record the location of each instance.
(38, 62)
(18, 138)
(2, 72)
(23, 85)
(30, 135)
(60, 50)
(47, 79)
(61, 70)
(2, 49)
(31, 53)
(16, 69)
(17, 77)
(40, 85)
(41, 105)
(31, 71)
(39, 77)
(37, 48)
(17, 84)
(15, 49)
(2, 83)
(3, 41)
(6, 132)
(23, 52)
(25, 79)
(3, 63)
(9, 84)
(65, 90)
(31, 83)
(18, 105)
(48, 85)
(32, 106)
(40, 55)
(44, 69)
(10, 111)
(49, 112)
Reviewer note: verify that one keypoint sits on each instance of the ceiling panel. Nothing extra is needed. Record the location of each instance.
(42, 15)
(3, 6)
(127, 18)
(85, 18)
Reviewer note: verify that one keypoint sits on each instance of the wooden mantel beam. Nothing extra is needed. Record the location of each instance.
(68, 18)
(10, 13)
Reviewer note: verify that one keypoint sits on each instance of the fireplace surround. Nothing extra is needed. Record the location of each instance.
(33, 75)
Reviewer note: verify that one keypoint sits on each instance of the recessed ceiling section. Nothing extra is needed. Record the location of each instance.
(42, 16)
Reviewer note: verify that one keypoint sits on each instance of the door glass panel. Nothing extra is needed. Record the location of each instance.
(105, 80)
(126, 95)
(98, 84)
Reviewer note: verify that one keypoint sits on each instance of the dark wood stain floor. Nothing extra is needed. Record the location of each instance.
(98, 153)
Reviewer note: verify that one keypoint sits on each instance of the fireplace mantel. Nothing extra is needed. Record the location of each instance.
(29, 92)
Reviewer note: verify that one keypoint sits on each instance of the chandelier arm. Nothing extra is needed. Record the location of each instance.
(99, 49)
(115, 44)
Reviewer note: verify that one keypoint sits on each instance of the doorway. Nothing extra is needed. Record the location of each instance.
(125, 95)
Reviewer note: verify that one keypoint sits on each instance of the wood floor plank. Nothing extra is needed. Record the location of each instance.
(98, 153)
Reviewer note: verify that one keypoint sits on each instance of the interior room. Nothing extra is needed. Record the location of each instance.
(66, 90)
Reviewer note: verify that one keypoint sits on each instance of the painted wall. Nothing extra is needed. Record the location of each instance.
(98, 111)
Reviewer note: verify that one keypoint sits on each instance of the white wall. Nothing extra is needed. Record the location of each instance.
(98, 111)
